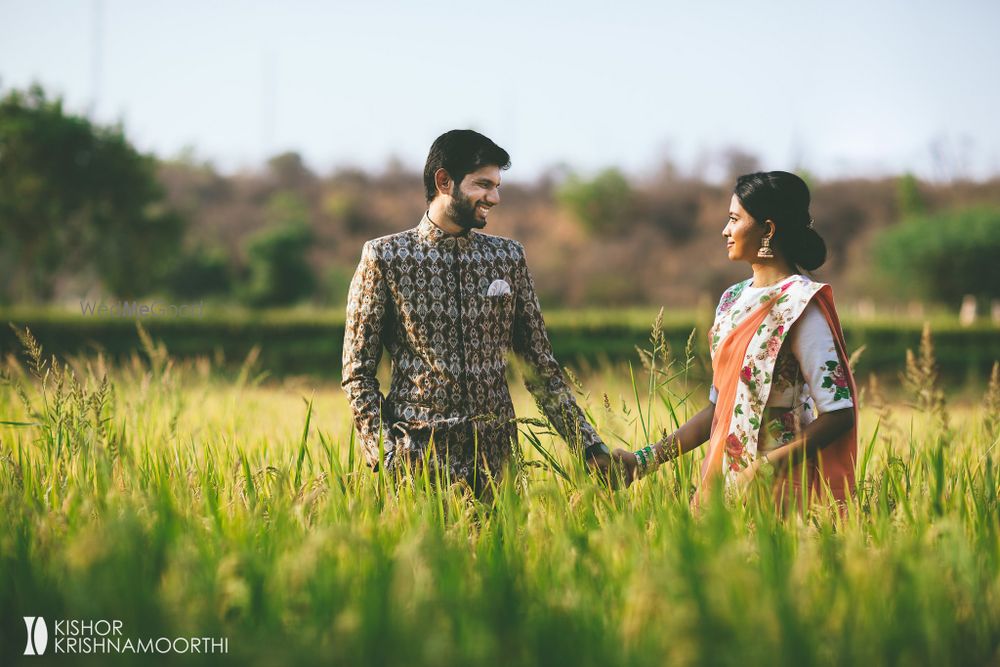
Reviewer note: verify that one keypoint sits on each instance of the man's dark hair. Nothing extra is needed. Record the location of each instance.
(460, 152)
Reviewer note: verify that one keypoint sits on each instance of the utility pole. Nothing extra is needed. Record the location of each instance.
(97, 44)
(268, 103)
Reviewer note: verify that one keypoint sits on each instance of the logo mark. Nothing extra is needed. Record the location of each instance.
(38, 635)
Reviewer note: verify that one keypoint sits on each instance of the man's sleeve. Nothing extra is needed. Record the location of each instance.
(367, 321)
(544, 378)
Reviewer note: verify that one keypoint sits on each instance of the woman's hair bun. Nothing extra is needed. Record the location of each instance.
(783, 198)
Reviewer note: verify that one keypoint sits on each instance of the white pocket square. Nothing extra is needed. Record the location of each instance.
(499, 287)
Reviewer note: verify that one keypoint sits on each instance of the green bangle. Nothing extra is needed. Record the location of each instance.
(646, 457)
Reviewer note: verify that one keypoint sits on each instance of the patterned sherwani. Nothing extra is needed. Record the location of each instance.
(448, 309)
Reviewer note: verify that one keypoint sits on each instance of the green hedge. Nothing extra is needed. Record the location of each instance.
(309, 342)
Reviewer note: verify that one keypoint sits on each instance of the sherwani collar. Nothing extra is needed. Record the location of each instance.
(431, 233)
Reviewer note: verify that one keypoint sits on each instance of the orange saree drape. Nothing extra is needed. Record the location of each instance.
(832, 469)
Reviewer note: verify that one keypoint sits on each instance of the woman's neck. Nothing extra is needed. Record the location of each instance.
(769, 272)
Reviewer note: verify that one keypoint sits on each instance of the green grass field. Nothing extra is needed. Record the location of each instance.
(186, 504)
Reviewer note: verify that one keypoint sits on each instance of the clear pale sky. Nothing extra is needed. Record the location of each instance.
(846, 88)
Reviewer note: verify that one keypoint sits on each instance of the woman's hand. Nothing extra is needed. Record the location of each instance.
(624, 466)
(747, 475)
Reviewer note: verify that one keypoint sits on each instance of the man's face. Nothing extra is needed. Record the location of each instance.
(472, 199)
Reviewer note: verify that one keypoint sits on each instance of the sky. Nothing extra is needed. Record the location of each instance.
(840, 89)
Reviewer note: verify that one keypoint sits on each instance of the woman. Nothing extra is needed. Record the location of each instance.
(778, 354)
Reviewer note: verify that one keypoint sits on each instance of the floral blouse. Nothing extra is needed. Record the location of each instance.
(809, 358)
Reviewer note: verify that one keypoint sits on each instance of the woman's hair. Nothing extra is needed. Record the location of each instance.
(783, 198)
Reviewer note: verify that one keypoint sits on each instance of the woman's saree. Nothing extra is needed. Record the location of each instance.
(745, 344)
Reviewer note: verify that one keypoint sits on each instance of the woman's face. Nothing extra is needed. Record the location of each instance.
(742, 233)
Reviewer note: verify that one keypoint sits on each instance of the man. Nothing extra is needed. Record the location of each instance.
(449, 302)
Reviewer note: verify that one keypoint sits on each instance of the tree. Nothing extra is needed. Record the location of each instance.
(909, 198)
(603, 204)
(278, 273)
(944, 256)
(76, 196)
(290, 171)
(199, 271)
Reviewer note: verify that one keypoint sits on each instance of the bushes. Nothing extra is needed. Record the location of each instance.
(201, 271)
(311, 341)
(278, 273)
(944, 256)
(602, 205)
(277, 270)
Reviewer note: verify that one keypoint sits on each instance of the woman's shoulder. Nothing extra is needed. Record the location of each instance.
(796, 282)
(738, 288)
(804, 283)
(802, 279)
(731, 294)
(794, 279)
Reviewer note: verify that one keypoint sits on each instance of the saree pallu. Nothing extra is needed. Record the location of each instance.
(745, 345)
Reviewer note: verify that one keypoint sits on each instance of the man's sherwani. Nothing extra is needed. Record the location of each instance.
(427, 297)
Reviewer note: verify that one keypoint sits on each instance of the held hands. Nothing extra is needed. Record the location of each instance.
(635, 465)
(608, 469)
(617, 470)
(625, 466)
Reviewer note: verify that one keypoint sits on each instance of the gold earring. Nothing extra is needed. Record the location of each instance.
(765, 251)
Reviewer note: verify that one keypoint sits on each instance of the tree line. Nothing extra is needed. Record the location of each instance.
(83, 212)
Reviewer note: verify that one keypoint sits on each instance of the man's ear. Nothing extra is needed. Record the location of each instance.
(442, 181)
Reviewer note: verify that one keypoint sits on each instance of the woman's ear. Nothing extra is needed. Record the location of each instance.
(442, 181)
(770, 228)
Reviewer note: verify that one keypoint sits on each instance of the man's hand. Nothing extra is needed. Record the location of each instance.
(625, 466)
(618, 470)
(600, 463)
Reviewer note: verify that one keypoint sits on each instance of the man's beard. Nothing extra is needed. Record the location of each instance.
(462, 211)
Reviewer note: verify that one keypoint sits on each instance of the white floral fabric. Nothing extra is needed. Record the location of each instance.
(806, 374)
(808, 357)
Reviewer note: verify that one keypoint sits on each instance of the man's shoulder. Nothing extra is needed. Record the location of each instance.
(385, 244)
(502, 243)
